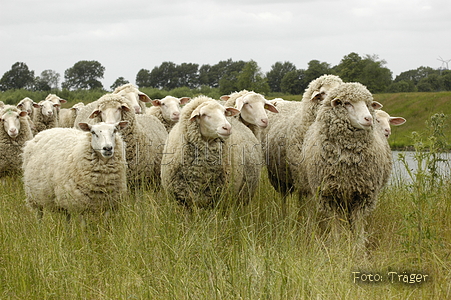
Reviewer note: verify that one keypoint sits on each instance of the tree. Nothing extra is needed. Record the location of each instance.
(251, 78)
(276, 74)
(315, 70)
(120, 81)
(188, 75)
(294, 82)
(143, 78)
(49, 80)
(368, 70)
(84, 75)
(19, 77)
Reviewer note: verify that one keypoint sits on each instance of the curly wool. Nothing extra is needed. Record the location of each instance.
(156, 111)
(63, 172)
(345, 166)
(286, 135)
(11, 148)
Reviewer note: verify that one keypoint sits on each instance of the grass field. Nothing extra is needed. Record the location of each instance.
(152, 248)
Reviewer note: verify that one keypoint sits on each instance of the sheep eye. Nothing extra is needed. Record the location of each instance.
(348, 104)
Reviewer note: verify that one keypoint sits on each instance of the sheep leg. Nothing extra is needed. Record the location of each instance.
(358, 223)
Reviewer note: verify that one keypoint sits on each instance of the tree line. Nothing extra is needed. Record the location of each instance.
(228, 76)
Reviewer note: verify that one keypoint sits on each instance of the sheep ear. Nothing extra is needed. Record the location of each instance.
(335, 102)
(184, 100)
(317, 96)
(397, 120)
(125, 107)
(23, 114)
(143, 97)
(56, 105)
(94, 114)
(63, 101)
(84, 126)
(230, 112)
(376, 105)
(224, 97)
(269, 106)
(239, 103)
(36, 105)
(195, 114)
(121, 125)
(156, 102)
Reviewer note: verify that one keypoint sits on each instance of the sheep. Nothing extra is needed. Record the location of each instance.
(203, 158)
(135, 96)
(57, 100)
(67, 116)
(144, 137)
(2, 104)
(347, 161)
(284, 137)
(14, 132)
(75, 171)
(45, 116)
(167, 110)
(384, 120)
(252, 109)
(27, 104)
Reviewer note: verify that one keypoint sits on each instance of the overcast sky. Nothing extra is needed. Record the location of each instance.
(126, 36)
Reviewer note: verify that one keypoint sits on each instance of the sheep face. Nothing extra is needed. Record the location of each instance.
(11, 122)
(384, 120)
(133, 95)
(48, 108)
(252, 107)
(212, 121)
(358, 113)
(103, 138)
(170, 107)
(27, 105)
(110, 112)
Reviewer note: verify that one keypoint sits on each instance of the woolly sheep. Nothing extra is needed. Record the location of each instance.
(384, 120)
(137, 98)
(167, 110)
(252, 108)
(285, 136)
(27, 104)
(86, 171)
(14, 132)
(57, 100)
(345, 158)
(144, 137)
(67, 116)
(203, 158)
(45, 116)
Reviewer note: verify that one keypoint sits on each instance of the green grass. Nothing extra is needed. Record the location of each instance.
(152, 248)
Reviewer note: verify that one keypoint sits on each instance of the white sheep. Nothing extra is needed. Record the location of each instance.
(75, 171)
(285, 136)
(252, 108)
(167, 110)
(14, 132)
(384, 120)
(203, 156)
(137, 98)
(144, 137)
(27, 104)
(346, 159)
(57, 100)
(45, 116)
(67, 116)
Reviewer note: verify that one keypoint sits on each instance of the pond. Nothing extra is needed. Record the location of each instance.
(399, 170)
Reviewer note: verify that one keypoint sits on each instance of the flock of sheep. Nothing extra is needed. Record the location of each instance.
(332, 146)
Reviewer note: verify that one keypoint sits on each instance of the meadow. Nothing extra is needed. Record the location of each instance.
(154, 248)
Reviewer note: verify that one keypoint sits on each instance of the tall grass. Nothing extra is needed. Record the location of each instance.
(153, 248)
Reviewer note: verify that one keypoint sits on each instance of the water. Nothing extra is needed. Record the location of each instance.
(399, 170)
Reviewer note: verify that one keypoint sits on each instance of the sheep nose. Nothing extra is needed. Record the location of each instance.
(264, 122)
(107, 148)
(368, 119)
(137, 109)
